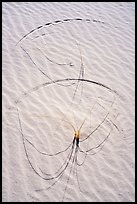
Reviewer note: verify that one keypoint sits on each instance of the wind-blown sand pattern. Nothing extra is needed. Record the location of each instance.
(68, 102)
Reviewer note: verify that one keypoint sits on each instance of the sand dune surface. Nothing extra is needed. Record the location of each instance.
(68, 95)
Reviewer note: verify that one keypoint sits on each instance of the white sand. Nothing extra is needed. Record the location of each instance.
(47, 114)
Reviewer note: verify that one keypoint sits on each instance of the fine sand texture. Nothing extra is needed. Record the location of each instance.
(68, 102)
